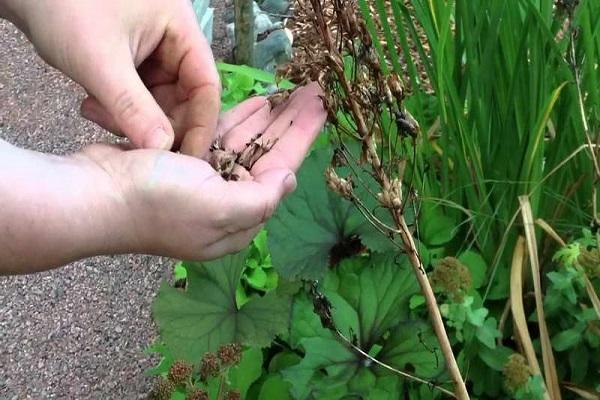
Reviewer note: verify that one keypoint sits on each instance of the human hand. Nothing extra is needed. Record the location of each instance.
(148, 70)
(179, 206)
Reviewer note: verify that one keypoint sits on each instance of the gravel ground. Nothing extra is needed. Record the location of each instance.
(78, 332)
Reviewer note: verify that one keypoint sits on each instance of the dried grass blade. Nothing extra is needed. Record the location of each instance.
(516, 305)
(547, 353)
(584, 393)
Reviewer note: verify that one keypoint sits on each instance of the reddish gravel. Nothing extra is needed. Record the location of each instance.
(78, 332)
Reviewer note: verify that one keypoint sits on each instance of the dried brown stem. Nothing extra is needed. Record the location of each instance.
(353, 99)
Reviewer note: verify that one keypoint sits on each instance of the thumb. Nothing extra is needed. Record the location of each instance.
(121, 92)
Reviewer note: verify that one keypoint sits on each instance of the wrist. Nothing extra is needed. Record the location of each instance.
(56, 210)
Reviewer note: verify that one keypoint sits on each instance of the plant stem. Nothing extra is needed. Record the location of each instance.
(244, 32)
(434, 312)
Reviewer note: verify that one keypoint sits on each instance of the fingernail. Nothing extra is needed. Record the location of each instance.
(158, 139)
(290, 183)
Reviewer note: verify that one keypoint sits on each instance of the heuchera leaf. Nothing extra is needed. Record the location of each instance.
(206, 315)
(370, 298)
(311, 221)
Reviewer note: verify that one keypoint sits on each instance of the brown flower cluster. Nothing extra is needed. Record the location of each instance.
(452, 278)
(516, 372)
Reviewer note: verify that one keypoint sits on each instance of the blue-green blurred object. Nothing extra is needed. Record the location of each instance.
(205, 16)
(276, 8)
(275, 49)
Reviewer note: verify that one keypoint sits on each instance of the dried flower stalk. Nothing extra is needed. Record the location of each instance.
(363, 96)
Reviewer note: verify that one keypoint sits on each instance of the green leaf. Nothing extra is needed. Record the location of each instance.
(283, 360)
(274, 387)
(322, 354)
(207, 314)
(369, 297)
(567, 339)
(477, 265)
(180, 272)
(260, 242)
(436, 229)
(579, 359)
(495, 358)
(313, 221)
(488, 332)
(247, 371)
(412, 346)
(165, 363)
(257, 278)
(254, 73)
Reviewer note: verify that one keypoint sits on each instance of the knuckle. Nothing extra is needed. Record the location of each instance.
(124, 105)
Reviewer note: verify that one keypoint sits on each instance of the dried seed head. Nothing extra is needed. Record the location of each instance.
(233, 395)
(179, 372)
(210, 367)
(197, 394)
(392, 197)
(395, 85)
(230, 354)
(163, 390)
(341, 186)
(452, 278)
(516, 372)
(590, 261)
(279, 97)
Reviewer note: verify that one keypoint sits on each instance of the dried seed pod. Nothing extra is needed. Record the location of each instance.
(254, 150)
(279, 97)
(230, 354)
(407, 124)
(395, 85)
(392, 197)
(163, 390)
(180, 371)
(341, 186)
(197, 394)
(590, 261)
(210, 367)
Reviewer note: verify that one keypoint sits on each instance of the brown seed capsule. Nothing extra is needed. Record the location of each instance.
(210, 367)
(395, 85)
(338, 185)
(230, 354)
(179, 372)
(163, 390)
(197, 394)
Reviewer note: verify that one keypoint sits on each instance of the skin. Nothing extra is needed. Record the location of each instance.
(148, 70)
(151, 77)
(109, 200)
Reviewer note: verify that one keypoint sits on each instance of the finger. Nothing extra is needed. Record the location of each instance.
(92, 110)
(119, 89)
(240, 113)
(240, 135)
(198, 81)
(232, 243)
(295, 140)
(253, 202)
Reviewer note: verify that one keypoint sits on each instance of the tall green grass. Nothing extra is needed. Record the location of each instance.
(506, 101)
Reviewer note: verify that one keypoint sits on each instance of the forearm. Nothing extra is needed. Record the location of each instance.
(54, 210)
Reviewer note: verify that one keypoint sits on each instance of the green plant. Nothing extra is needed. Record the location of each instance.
(505, 105)
(240, 82)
